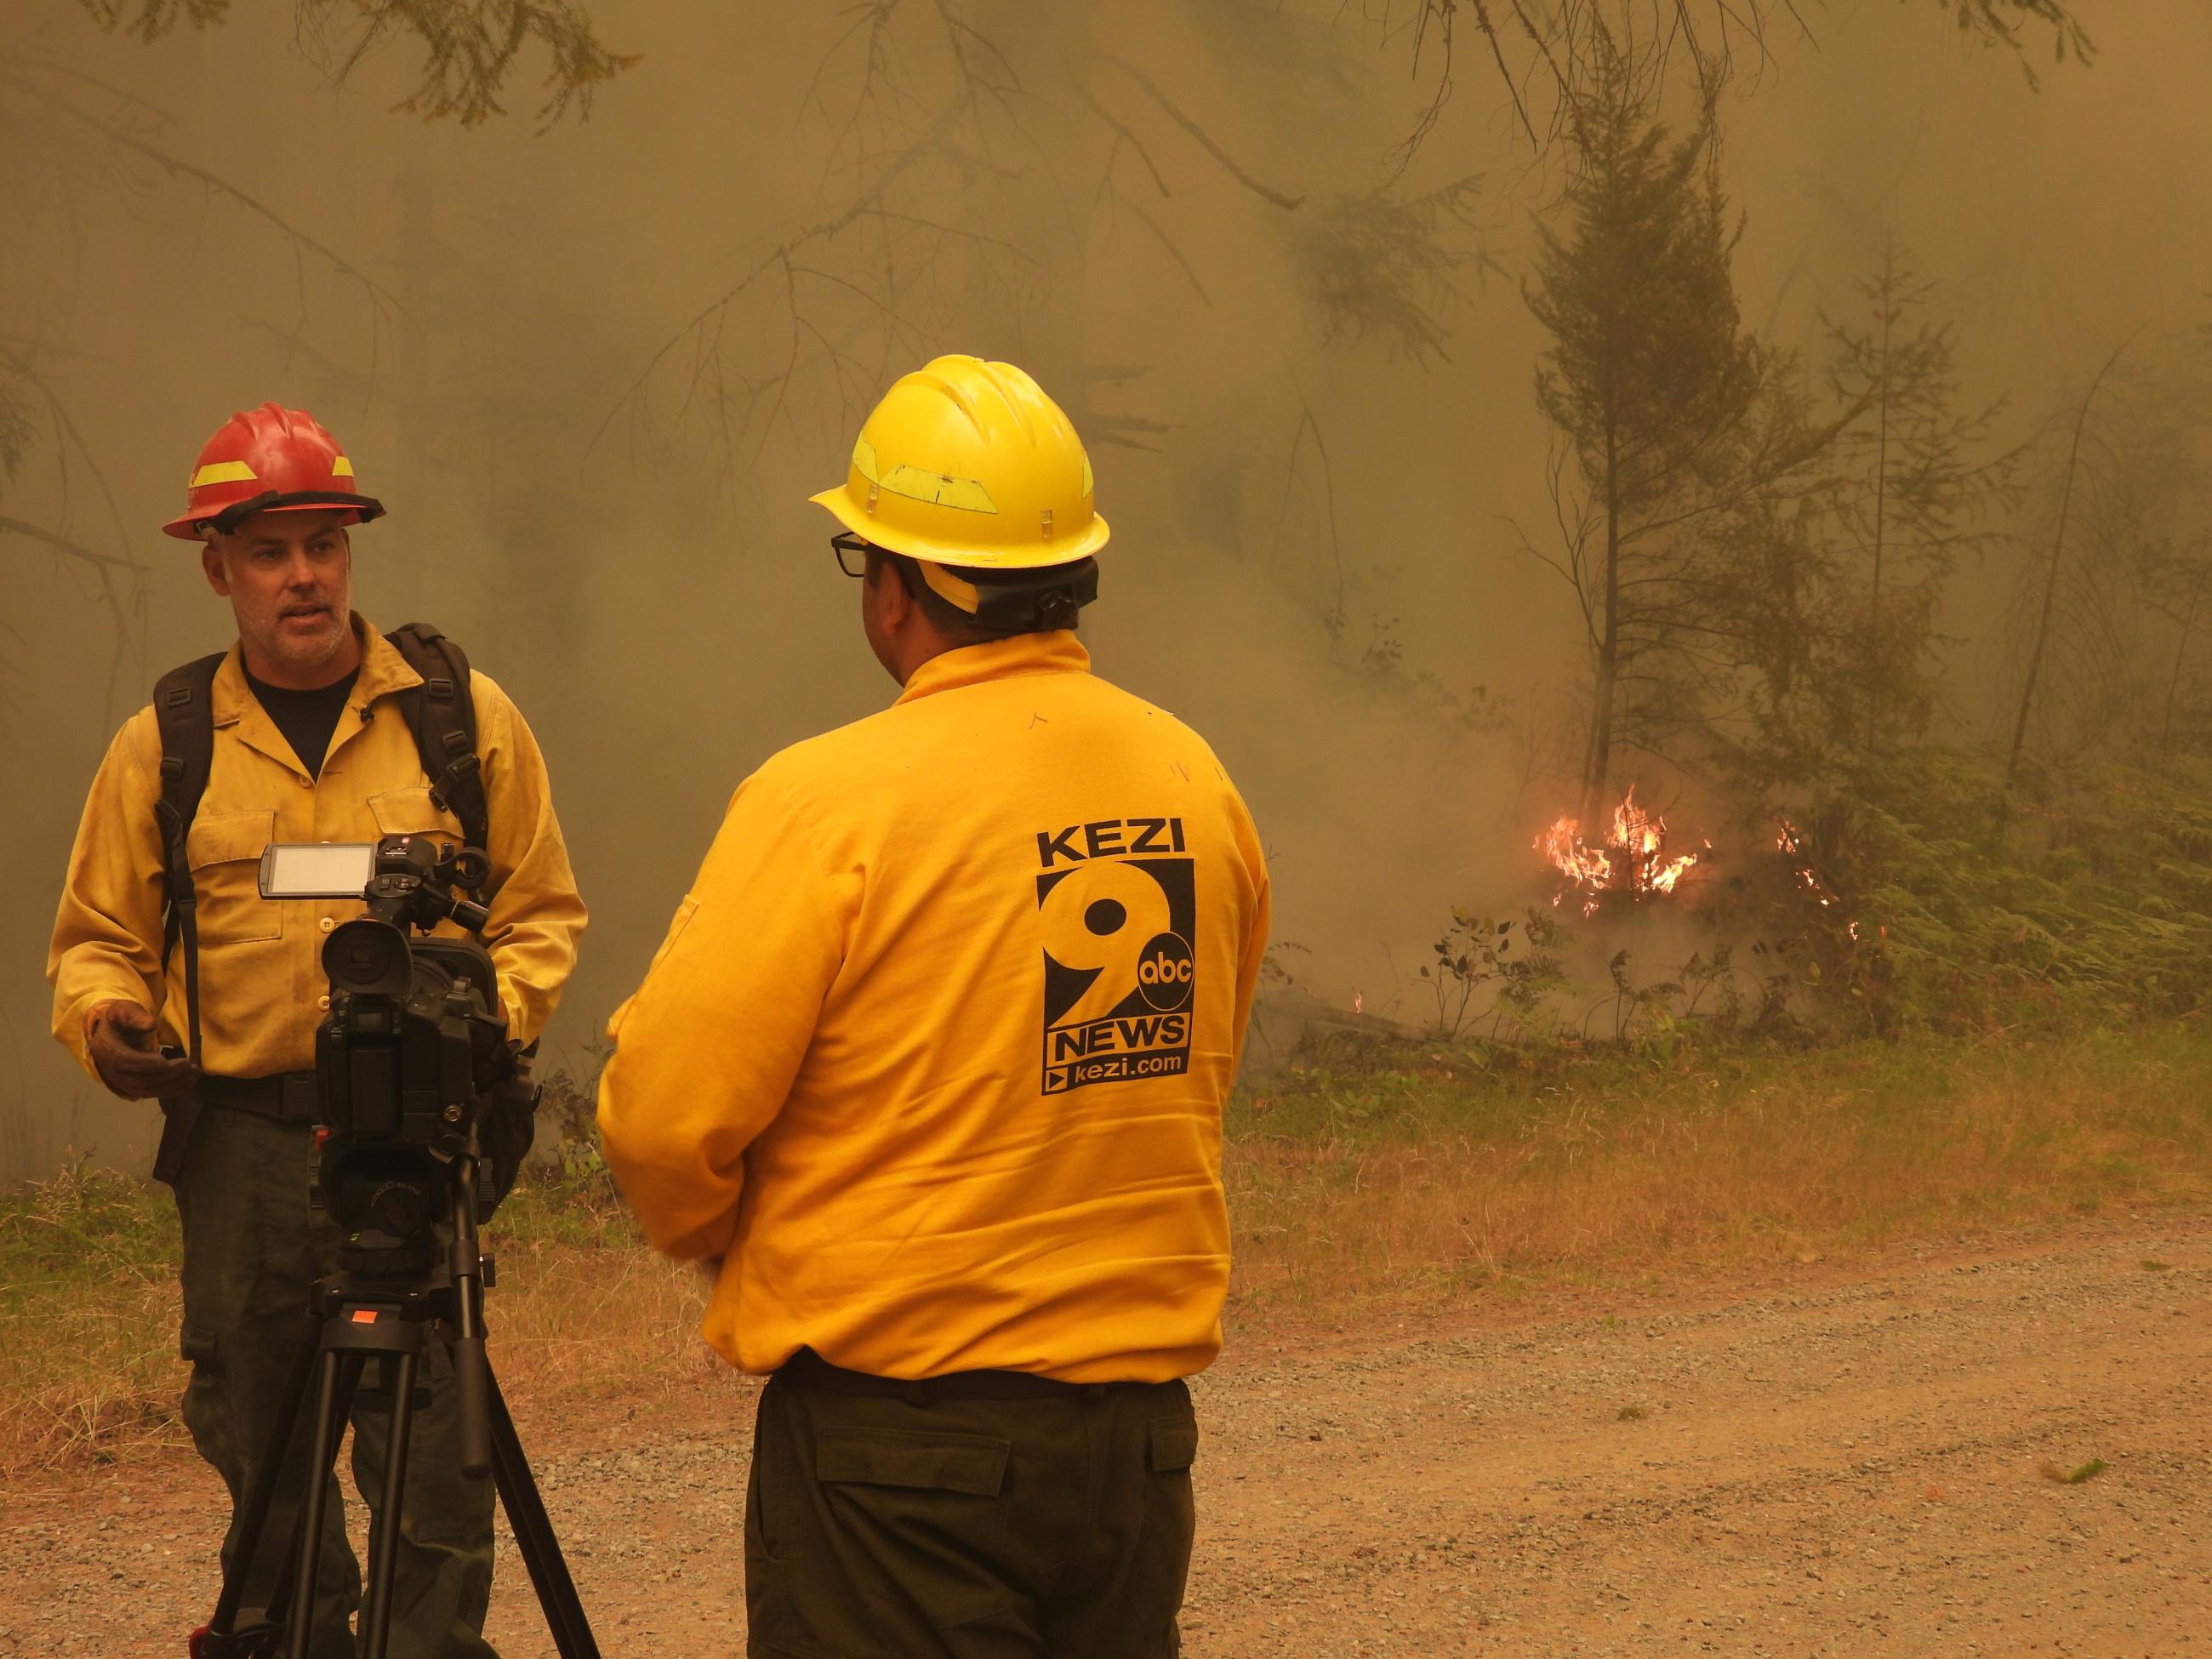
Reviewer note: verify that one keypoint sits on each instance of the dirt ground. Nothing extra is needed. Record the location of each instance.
(1840, 1460)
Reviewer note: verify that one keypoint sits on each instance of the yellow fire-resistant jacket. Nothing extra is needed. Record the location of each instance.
(263, 990)
(934, 1054)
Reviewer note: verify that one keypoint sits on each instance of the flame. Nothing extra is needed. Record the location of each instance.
(1791, 846)
(1632, 858)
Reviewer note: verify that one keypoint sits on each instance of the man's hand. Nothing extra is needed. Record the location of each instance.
(120, 1037)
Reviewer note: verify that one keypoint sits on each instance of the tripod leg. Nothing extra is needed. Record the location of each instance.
(308, 1543)
(384, 1557)
(280, 1593)
(533, 1535)
(263, 1494)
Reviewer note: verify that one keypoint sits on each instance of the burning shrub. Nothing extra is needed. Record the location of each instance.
(1630, 859)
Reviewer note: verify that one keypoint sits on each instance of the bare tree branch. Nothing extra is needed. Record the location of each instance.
(1175, 112)
(176, 167)
(470, 47)
(63, 545)
(1546, 44)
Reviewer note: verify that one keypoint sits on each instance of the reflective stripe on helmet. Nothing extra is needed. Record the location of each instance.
(268, 458)
(968, 463)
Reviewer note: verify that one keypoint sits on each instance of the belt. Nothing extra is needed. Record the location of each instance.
(287, 1096)
(811, 1369)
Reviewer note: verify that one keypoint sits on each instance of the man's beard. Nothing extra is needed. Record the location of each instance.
(297, 650)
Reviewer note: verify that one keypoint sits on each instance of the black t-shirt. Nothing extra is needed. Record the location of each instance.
(307, 718)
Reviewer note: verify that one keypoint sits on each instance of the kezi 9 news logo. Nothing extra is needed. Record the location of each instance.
(1117, 907)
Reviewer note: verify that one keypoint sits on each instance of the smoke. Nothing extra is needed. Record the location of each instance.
(1312, 423)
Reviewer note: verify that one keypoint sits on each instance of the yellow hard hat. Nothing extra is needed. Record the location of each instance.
(969, 463)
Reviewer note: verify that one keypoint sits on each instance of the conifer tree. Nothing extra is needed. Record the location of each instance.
(1915, 485)
(1648, 385)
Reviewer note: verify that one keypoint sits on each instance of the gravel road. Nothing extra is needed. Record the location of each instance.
(1843, 1460)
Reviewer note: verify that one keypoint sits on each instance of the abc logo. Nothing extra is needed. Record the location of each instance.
(1164, 972)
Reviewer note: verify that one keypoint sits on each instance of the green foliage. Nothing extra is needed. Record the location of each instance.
(470, 47)
(1675, 419)
(1923, 488)
(1902, 895)
(1474, 953)
(2085, 899)
(2077, 1475)
(1647, 363)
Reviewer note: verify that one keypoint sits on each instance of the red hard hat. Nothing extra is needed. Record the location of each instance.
(265, 460)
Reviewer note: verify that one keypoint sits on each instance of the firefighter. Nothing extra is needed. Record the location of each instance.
(306, 730)
(929, 1071)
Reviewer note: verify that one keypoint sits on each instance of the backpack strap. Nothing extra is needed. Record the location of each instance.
(184, 712)
(443, 716)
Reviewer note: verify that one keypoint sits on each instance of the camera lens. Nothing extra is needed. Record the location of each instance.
(370, 956)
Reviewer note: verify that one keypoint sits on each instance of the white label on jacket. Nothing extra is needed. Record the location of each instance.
(1118, 921)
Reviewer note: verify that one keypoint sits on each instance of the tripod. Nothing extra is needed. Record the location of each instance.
(379, 1307)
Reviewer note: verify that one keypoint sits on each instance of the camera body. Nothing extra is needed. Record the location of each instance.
(413, 1066)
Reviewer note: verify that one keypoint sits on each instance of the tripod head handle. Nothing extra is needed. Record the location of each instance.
(473, 1394)
(471, 1367)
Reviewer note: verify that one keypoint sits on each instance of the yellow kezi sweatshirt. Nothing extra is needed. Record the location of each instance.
(934, 1054)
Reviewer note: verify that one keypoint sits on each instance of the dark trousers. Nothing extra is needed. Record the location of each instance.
(1029, 1528)
(252, 1249)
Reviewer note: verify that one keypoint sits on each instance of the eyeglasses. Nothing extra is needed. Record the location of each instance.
(852, 552)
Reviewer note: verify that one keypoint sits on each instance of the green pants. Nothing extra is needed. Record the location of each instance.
(1056, 1528)
(253, 1248)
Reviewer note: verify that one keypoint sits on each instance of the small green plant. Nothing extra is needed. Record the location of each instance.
(1474, 952)
(2088, 1471)
(1630, 1414)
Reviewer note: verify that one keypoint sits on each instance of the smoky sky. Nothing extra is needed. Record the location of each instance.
(1314, 530)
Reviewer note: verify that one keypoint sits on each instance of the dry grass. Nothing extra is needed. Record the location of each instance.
(584, 1311)
(1423, 1179)
(89, 1312)
(1394, 1176)
(89, 1307)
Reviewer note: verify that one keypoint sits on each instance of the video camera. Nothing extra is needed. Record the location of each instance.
(413, 1066)
(428, 1109)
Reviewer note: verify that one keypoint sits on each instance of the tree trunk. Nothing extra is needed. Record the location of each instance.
(2051, 579)
(1600, 760)
(1872, 664)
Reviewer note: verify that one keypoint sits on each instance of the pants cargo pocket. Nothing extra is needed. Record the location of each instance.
(926, 1507)
(1171, 1515)
(1162, 1562)
(869, 1542)
(206, 1409)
